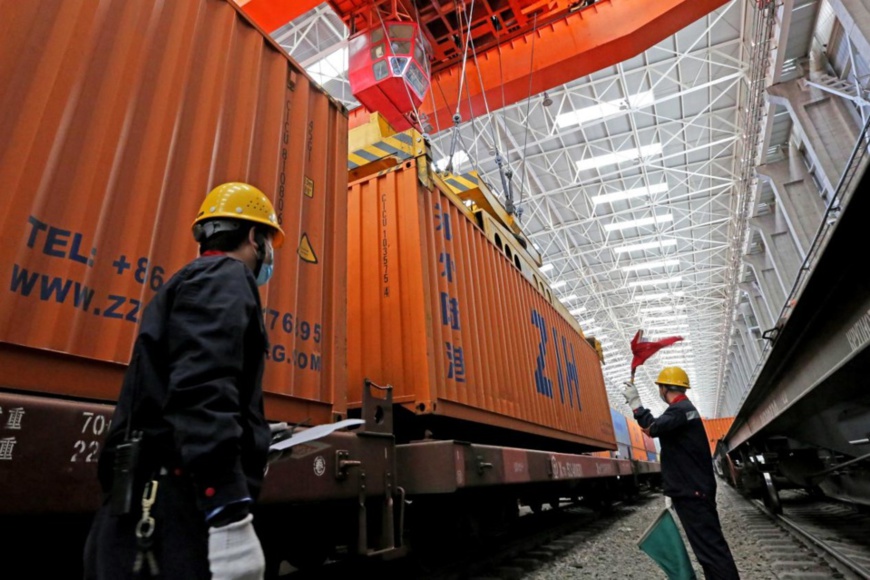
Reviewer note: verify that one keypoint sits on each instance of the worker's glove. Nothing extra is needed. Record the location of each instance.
(631, 396)
(278, 430)
(234, 552)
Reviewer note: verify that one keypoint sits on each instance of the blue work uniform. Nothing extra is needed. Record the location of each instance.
(688, 479)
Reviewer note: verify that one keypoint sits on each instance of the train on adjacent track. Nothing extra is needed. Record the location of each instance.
(412, 300)
(805, 423)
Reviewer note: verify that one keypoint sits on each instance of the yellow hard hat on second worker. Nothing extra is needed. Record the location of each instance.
(240, 201)
(673, 376)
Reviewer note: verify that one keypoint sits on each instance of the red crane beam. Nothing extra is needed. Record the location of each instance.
(601, 35)
(273, 14)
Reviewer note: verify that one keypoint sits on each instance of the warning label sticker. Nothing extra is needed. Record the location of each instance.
(305, 251)
(309, 187)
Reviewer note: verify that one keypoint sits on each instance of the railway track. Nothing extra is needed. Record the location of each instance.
(814, 539)
(531, 541)
(839, 533)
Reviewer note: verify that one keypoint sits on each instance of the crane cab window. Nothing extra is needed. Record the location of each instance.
(401, 31)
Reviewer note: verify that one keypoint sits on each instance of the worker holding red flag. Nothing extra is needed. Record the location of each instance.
(687, 466)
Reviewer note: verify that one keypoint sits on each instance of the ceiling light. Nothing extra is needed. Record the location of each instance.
(629, 193)
(650, 265)
(459, 158)
(656, 219)
(654, 282)
(669, 332)
(546, 267)
(568, 297)
(663, 308)
(619, 157)
(589, 322)
(657, 296)
(558, 284)
(606, 109)
(591, 330)
(577, 311)
(665, 318)
(645, 246)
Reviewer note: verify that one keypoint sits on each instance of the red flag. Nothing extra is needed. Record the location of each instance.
(642, 350)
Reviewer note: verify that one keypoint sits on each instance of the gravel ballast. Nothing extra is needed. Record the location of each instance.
(612, 551)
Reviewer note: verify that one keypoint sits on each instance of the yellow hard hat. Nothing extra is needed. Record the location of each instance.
(673, 376)
(241, 201)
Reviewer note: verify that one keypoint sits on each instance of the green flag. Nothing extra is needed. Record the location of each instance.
(662, 542)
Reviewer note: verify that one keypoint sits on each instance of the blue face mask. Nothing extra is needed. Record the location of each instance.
(265, 274)
(266, 269)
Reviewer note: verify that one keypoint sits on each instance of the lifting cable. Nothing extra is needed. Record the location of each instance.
(505, 175)
(426, 136)
(457, 118)
(523, 180)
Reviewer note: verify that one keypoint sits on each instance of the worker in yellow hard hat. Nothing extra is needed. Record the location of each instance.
(687, 469)
(189, 434)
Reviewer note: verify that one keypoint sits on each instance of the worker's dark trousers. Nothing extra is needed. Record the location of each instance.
(180, 540)
(701, 522)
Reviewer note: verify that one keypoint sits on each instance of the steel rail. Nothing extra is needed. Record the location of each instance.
(802, 533)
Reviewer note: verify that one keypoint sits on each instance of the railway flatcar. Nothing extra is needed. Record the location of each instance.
(116, 130)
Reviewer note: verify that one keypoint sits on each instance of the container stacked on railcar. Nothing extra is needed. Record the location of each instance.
(717, 429)
(117, 122)
(623, 438)
(639, 450)
(449, 309)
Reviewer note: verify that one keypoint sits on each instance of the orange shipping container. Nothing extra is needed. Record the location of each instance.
(439, 312)
(717, 429)
(638, 448)
(118, 117)
(648, 443)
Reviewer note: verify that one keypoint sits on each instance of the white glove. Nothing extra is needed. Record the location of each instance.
(631, 396)
(277, 429)
(234, 552)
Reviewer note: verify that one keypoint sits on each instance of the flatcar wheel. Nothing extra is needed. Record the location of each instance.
(771, 496)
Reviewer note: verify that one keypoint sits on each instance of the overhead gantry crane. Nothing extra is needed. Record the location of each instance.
(518, 47)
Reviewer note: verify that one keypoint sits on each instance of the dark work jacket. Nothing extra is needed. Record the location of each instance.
(687, 466)
(194, 384)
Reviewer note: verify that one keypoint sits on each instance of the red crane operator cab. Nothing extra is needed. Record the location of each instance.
(389, 70)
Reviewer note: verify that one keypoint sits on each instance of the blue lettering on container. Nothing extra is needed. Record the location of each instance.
(455, 363)
(542, 383)
(443, 219)
(449, 311)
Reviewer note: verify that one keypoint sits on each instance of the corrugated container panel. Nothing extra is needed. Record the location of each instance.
(620, 427)
(651, 456)
(118, 117)
(638, 453)
(624, 450)
(717, 429)
(443, 316)
(648, 442)
(636, 435)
